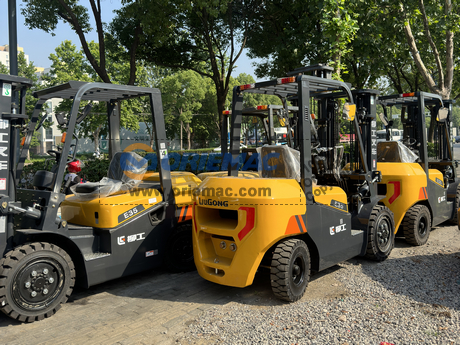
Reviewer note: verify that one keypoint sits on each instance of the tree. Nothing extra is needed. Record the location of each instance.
(68, 63)
(432, 51)
(182, 95)
(204, 36)
(46, 14)
(288, 35)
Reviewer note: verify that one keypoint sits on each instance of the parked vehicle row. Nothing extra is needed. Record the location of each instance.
(305, 205)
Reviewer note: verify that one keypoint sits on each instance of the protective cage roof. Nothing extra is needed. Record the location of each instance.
(429, 98)
(264, 112)
(15, 80)
(317, 85)
(96, 91)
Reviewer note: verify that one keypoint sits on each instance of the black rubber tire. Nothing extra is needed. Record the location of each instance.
(290, 270)
(28, 264)
(417, 225)
(179, 249)
(454, 219)
(381, 233)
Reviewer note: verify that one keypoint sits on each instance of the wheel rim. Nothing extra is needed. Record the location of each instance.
(298, 270)
(182, 249)
(423, 226)
(384, 234)
(38, 283)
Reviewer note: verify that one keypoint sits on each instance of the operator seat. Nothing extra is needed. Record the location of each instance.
(279, 161)
(126, 171)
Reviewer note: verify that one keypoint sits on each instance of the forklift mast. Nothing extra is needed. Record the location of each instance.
(12, 119)
(414, 124)
(366, 112)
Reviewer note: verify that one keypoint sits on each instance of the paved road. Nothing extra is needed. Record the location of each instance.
(148, 308)
(156, 307)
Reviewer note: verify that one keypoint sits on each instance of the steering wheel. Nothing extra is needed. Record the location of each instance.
(409, 141)
(53, 153)
(57, 154)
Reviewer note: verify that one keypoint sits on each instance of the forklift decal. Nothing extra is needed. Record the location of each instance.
(184, 213)
(422, 195)
(338, 228)
(295, 225)
(397, 191)
(441, 199)
(128, 214)
(250, 213)
(439, 182)
(6, 90)
(121, 240)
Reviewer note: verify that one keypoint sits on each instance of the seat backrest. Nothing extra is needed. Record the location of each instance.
(280, 162)
(388, 151)
(127, 166)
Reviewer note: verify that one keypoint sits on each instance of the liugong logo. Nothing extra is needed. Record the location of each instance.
(210, 202)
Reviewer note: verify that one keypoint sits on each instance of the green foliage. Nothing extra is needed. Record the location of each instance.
(94, 169)
(205, 36)
(182, 96)
(44, 14)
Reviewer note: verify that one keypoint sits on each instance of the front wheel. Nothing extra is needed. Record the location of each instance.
(179, 249)
(381, 233)
(35, 279)
(417, 225)
(290, 270)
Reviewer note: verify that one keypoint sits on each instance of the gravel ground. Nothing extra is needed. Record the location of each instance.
(411, 298)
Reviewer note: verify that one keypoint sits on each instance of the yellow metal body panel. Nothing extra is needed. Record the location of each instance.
(232, 233)
(326, 194)
(406, 185)
(247, 174)
(104, 212)
(436, 176)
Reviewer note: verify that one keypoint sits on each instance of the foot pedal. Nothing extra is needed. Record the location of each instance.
(94, 256)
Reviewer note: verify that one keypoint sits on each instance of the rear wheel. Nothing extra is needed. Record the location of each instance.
(417, 225)
(381, 233)
(179, 250)
(290, 270)
(35, 279)
(454, 220)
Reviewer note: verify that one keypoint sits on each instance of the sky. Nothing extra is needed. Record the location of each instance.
(39, 44)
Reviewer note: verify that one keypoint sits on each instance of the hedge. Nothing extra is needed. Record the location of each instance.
(94, 169)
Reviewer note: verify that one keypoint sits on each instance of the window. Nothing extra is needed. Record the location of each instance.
(49, 107)
(49, 134)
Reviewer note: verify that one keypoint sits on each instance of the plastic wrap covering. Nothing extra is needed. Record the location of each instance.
(328, 160)
(279, 161)
(395, 152)
(126, 171)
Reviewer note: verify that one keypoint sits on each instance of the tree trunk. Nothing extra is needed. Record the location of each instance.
(96, 138)
(187, 130)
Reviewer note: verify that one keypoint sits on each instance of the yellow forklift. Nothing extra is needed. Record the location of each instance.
(309, 209)
(128, 222)
(420, 187)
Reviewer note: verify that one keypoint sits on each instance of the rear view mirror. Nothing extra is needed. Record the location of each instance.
(85, 112)
(442, 114)
(383, 119)
(349, 111)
